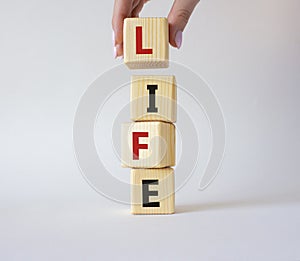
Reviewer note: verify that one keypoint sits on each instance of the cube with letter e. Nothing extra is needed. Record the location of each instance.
(152, 191)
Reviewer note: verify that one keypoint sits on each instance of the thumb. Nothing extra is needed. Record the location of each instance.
(178, 18)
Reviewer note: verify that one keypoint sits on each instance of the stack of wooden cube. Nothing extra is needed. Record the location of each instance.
(148, 143)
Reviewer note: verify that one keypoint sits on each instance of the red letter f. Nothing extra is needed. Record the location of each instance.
(136, 146)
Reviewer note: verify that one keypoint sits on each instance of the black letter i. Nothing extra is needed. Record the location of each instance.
(152, 89)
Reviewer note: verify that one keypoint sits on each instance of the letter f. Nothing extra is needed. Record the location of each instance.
(136, 146)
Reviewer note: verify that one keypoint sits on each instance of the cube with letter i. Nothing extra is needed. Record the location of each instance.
(146, 43)
(153, 98)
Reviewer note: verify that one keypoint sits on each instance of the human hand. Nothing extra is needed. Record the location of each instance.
(177, 18)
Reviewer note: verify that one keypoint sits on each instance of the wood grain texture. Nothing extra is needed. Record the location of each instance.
(155, 36)
(160, 141)
(165, 98)
(160, 183)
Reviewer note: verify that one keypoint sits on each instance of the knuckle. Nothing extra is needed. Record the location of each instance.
(184, 14)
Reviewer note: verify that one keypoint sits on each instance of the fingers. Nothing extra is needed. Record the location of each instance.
(137, 9)
(178, 18)
(122, 10)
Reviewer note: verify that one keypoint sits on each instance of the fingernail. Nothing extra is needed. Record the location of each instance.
(178, 39)
(113, 38)
(114, 47)
(115, 52)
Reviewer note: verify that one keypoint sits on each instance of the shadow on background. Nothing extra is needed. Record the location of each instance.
(240, 203)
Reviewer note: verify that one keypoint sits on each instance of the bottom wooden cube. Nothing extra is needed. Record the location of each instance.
(152, 191)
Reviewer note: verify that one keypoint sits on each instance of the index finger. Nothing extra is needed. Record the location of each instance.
(122, 9)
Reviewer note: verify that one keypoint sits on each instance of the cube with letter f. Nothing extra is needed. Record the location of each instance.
(148, 145)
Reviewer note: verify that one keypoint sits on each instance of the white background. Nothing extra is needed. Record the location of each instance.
(248, 52)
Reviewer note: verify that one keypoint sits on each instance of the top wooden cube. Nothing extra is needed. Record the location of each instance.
(146, 43)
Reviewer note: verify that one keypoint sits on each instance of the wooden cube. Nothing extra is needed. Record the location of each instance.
(152, 191)
(148, 145)
(153, 98)
(146, 43)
